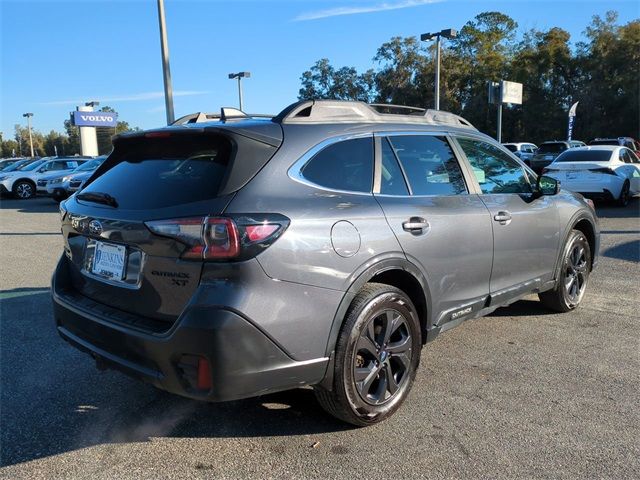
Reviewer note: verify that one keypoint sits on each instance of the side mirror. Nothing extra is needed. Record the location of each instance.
(547, 185)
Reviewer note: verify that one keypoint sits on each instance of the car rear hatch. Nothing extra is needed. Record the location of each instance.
(127, 232)
(580, 170)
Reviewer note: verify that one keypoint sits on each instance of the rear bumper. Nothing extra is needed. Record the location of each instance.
(604, 195)
(244, 361)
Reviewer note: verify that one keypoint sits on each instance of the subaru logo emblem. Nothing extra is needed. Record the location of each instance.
(95, 227)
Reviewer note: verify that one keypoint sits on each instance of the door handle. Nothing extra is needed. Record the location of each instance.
(503, 217)
(415, 225)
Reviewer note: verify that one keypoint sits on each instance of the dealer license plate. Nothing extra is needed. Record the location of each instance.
(108, 260)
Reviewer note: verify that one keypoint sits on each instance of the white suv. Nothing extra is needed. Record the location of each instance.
(23, 182)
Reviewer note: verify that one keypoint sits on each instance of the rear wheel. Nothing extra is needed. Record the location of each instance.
(574, 275)
(376, 358)
(625, 194)
(24, 190)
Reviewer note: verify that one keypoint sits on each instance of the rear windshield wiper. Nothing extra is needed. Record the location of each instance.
(98, 197)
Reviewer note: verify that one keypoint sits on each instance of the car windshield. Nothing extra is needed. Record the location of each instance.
(11, 166)
(90, 165)
(552, 148)
(30, 166)
(585, 156)
(512, 148)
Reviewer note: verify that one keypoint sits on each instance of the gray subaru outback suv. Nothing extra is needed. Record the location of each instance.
(325, 246)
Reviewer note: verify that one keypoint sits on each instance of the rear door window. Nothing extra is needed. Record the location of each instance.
(346, 165)
(429, 164)
(147, 173)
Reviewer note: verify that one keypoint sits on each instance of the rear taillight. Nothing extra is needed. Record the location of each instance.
(606, 171)
(222, 238)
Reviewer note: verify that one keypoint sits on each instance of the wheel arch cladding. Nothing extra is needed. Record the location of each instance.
(396, 272)
(588, 230)
(410, 285)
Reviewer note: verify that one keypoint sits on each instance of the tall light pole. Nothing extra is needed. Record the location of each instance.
(29, 115)
(240, 76)
(166, 72)
(448, 33)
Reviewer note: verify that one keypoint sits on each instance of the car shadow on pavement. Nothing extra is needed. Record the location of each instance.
(32, 205)
(53, 399)
(608, 210)
(629, 251)
(522, 308)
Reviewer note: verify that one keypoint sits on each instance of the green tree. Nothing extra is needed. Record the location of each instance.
(602, 73)
(322, 81)
(105, 134)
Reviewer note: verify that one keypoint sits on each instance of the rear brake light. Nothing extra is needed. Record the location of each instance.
(222, 238)
(606, 171)
(157, 135)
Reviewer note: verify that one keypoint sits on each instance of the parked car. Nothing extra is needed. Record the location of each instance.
(628, 142)
(54, 169)
(12, 164)
(600, 172)
(324, 246)
(23, 182)
(61, 186)
(547, 153)
(524, 151)
(7, 162)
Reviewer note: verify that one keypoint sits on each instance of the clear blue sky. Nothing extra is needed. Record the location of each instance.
(54, 54)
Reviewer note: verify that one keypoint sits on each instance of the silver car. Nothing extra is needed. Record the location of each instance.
(325, 246)
(60, 187)
(524, 151)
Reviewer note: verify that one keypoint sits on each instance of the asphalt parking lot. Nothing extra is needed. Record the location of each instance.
(523, 393)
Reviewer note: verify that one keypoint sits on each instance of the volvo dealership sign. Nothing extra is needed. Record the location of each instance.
(94, 119)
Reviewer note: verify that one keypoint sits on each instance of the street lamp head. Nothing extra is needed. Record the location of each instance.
(449, 33)
(240, 75)
(27, 115)
(92, 103)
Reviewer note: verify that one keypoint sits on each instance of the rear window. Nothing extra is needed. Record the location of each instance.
(585, 156)
(552, 148)
(604, 142)
(159, 172)
(512, 148)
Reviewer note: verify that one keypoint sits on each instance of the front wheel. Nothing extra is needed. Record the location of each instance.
(574, 275)
(24, 190)
(625, 194)
(376, 357)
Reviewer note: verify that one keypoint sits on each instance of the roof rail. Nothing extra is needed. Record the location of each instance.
(226, 114)
(343, 111)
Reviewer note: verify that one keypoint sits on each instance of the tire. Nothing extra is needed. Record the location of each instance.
(58, 197)
(380, 341)
(625, 194)
(24, 190)
(573, 276)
